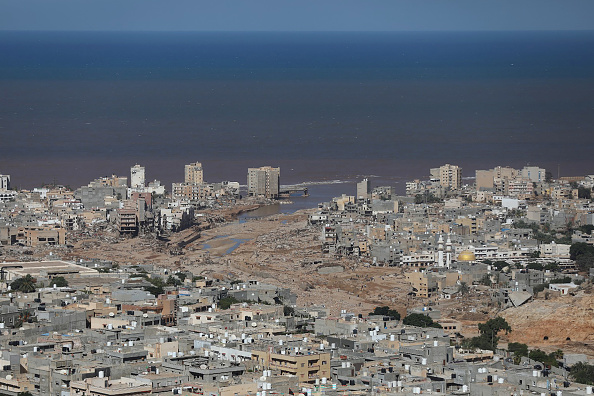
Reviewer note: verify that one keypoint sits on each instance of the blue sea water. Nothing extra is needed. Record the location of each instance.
(323, 106)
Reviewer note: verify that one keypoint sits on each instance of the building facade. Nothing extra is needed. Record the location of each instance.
(193, 173)
(450, 176)
(137, 176)
(4, 182)
(264, 181)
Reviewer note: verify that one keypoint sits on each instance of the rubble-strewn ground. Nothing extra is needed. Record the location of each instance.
(283, 250)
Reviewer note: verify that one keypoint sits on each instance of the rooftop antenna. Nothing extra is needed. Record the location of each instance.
(558, 171)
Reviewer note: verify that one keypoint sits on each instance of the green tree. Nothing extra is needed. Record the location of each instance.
(26, 284)
(225, 303)
(157, 286)
(580, 248)
(543, 357)
(586, 228)
(420, 320)
(173, 281)
(518, 349)
(584, 192)
(534, 266)
(59, 281)
(386, 311)
(552, 267)
(582, 373)
(499, 265)
(489, 330)
(182, 276)
(585, 261)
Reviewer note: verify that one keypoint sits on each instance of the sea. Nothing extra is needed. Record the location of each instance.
(328, 108)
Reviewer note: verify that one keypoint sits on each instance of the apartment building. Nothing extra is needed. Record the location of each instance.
(137, 176)
(193, 173)
(307, 367)
(450, 176)
(264, 181)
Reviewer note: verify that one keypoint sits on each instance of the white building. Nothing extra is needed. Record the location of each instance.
(137, 176)
(4, 182)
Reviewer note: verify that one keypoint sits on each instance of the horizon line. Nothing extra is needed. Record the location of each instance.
(292, 31)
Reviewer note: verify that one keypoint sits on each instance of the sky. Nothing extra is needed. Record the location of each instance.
(296, 15)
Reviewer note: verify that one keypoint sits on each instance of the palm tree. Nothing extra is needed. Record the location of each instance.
(26, 284)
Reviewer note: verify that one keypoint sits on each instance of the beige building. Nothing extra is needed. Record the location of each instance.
(495, 178)
(264, 181)
(363, 189)
(450, 176)
(424, 284)
(46, 269)
(104, 387)
(307, 368)
(37, 236)
(193, 173)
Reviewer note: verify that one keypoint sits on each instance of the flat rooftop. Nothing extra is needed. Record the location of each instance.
(45, 268)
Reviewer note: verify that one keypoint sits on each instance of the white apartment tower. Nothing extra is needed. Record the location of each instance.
(137, 176)
(4, 182)
(450, 176)
(193, 173)
(264, 181)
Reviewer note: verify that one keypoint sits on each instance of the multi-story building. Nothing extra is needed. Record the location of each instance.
(137, 176)
(193, 173)
(363, 189)
(450, 176)
(36, 236)
(519, 187)
(191, 191)
(4, 182)
(127, 218)
(264, 181)
(534, 174)
(306, 367)
(495, 178)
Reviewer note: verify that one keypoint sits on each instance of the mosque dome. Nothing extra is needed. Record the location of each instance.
(466, 255)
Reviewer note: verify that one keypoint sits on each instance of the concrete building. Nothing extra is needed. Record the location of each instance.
(37, 236)
(450, 176)
(191, 191)
(137, 176)
(4, 182)
(104, 386)
(363, 189)
(307, 368)
(45, 269)
(193, 173)
(534, 174)
(493, 179)
(127, 218)
(264, 181)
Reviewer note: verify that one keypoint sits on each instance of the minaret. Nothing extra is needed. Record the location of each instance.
(449, 252)
(440, 251)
